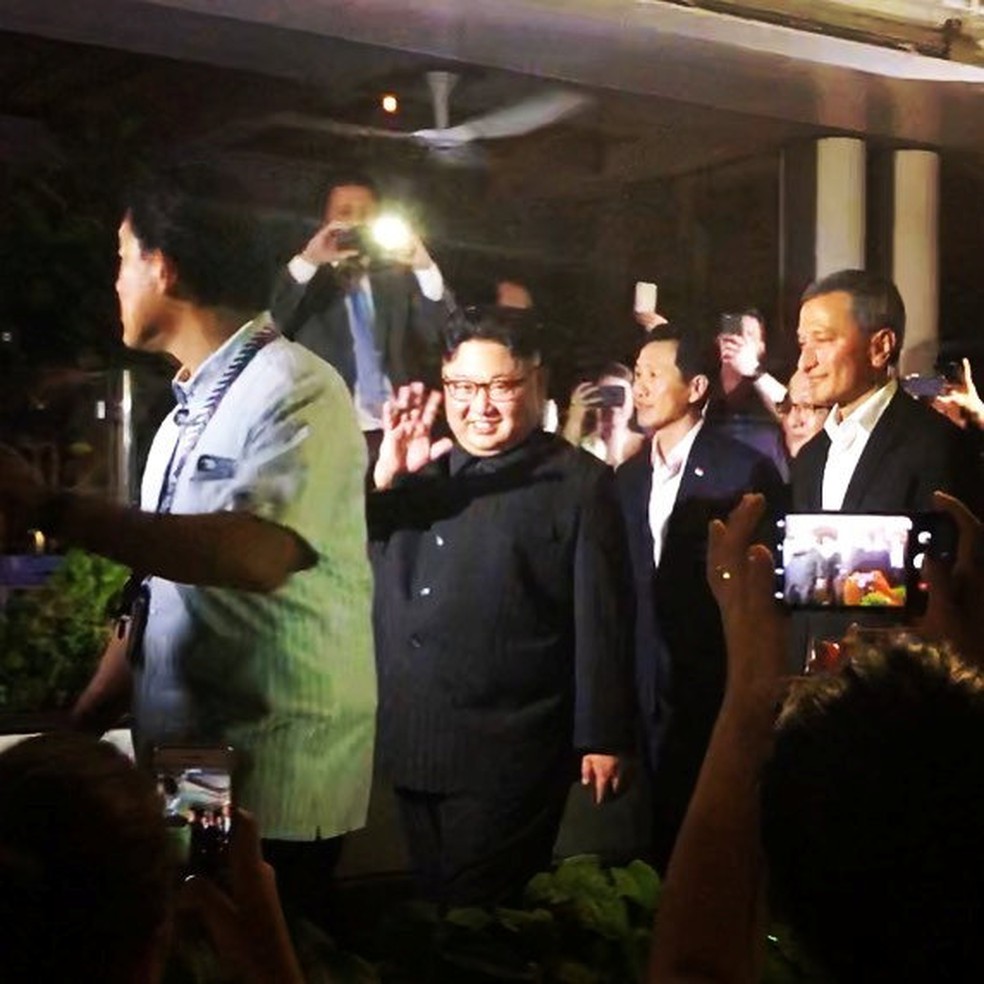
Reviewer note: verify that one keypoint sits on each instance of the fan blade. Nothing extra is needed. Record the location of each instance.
(513, 121)
(321, 124)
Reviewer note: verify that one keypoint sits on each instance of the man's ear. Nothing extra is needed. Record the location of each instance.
(699, 386)
(881, 348)
(165, 272)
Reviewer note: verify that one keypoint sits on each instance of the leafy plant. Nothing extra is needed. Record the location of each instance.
(582, 923)
(51, 637)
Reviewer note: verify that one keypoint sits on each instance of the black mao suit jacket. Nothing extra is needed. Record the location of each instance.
(679, 645)
(502, 618)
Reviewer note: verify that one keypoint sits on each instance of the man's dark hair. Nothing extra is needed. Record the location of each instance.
(875, 301)
(84, 870)
(215, 245)
(872, 817)
(696, 353)
(354, 179)
(515, 328)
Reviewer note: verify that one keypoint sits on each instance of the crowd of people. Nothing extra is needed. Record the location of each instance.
(358, 548)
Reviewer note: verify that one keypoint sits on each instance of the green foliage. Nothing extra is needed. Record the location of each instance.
(51, 637)
(582, 923)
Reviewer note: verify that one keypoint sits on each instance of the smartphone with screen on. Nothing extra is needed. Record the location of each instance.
(833, 560)
(195, 784)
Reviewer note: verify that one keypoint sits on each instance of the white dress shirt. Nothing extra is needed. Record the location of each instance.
(667, 475)
(848, 437)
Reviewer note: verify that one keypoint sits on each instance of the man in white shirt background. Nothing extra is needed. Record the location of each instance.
(688, 473)
(376, 318)
(880, 450)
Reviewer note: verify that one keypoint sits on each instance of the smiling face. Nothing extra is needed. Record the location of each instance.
(490, 421)
(841, 362)
(662, 396)
(141, 288)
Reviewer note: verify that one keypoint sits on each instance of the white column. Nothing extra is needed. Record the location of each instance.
(915, 254)
(840, 205)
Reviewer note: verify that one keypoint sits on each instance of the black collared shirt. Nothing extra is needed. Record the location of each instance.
(502, 617)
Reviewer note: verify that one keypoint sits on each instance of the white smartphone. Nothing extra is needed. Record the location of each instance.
(645, 297)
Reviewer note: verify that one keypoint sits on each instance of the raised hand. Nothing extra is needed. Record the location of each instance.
(407, 444)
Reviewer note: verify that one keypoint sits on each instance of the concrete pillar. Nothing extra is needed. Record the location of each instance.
(840, 205)
(915, 254)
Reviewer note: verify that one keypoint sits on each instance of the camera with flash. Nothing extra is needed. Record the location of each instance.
(384, 236)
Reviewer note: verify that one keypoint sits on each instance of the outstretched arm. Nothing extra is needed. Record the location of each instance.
(709, 926)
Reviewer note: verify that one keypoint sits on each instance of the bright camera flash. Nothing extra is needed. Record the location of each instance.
(391, 233)
(390, 103)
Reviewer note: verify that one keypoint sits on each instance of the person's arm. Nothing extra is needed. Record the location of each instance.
(291, 288)
(710, 923)
(604, 704)
(107, 697)
(222, 549)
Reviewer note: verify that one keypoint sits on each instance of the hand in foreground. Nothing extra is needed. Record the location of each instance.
(965, 398)
(603, 772)
(955, 610)
(407, 445)
(741, 577)
(247, 924)
(739, 353)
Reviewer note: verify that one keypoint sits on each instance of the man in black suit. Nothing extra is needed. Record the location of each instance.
(378, 324)
(502, 618)
(880, 450)
(687, 475)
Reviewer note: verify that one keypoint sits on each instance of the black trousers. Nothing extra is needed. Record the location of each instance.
(478, 848)
(304, 876)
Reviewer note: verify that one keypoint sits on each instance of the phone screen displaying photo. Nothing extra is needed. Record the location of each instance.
(196, 788)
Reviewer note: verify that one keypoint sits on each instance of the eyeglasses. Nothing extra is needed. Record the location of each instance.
(499, 390)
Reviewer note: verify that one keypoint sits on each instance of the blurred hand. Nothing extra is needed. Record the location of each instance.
(649, 319)
(955, 610)
(965, 398)
(323, 246)
(741, 576)
(407, 445)
(739, 353)
(246, 924)
(602, 772)
(414, 255)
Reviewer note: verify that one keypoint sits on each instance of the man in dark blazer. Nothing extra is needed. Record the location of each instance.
(880, 450)
(378, 324)
(502, 618)
(687, 475)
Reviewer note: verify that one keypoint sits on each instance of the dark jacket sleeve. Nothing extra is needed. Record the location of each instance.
(603, 610)
(292, 304)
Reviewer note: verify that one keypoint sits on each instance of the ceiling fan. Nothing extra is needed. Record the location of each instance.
(455, 144)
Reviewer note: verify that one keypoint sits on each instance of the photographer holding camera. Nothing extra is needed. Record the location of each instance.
(374, 313)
